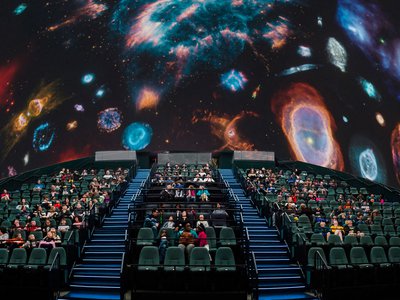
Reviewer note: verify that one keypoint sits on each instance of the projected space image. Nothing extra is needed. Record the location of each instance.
(314, 81)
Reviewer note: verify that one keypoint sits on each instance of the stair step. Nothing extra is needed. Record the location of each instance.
(104, 295)
(100, 287)
(95, 282)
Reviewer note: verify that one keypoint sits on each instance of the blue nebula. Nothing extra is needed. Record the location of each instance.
(188, 36)
(297, 69)
(304, 51)
(109, 120)
(366, 160)
(352, 16)
(369, 89)
(20, 9)
(87, 78)
(233, 80)
(43, 137)
(137, 136)
(100, 93)
(345, 119)
(368, 164)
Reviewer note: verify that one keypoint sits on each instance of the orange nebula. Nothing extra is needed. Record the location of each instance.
(72, 125)
(35, 106)
(308, 125)
(20, 122)
(147, 99)
(225, 128)
(278, 33)
(90, 10)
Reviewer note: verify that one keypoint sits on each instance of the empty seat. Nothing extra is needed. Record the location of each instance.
(387, 221)
(394, 255)
(338, 258)
(225, 260)
(149, 259)
(376, 229)
(317, 239)
(145, 237)
(3, 257)
(334, 240)
(366, 241)
(378, 257)
(174, 259)
(363, 228)
(350, 240)
(359, 258)
(199, 260)
(394, 241)
(389, 230)
(380, 241)
(211, 238)
(218, 219)
(18, 258)
(38, 258)
(227, 237)
(312, 256)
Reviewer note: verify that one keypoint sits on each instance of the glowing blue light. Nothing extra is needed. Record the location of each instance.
(369, 89)
(233, 80)
(100, 92)
(43, 137)
(20, 9)
(345, 119)
(87, 78)
(297, 69)
(368, 164)
(137, 136)
(304, 51)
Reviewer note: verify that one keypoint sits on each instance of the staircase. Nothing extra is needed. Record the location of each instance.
(98, 276)
(278, 278)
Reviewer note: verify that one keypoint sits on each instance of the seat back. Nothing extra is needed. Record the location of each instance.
(145, 237)
(394, 241)
(211, 238)
(317, 238)
(38, 257)
(149, 258)
(378, 255)
(334, 240)
(199, 260)
(394, 255)
(227, 237)
(376, 229)
(311, 256)
(18, 257)
(350, 240)
(62, 254)
(218, 219)
(366, 240)
(225, 260)
(380, 241)
(358, 256)
(3, 256)
(174, 259)
(38, 235)
(337, 257)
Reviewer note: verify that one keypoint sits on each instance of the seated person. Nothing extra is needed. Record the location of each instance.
(187, 238)
(350, 229)
(202, 221)
(38, 186)
(152, 221)
(5, 196)
(31, 243)
(170, 223)
(322, 228)
(48, 241)
(203, 194)
(63, 226)
(336, 229)
(167, 194)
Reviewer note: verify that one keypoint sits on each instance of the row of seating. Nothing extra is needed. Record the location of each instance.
(199, 261)
(226, 237)
(317, 239)
(357, 257)
(38, 258)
